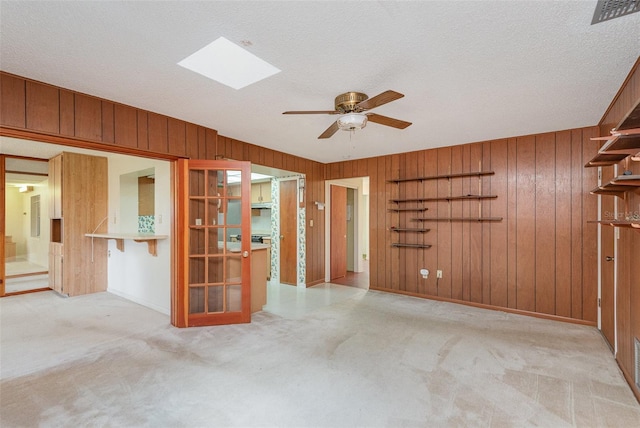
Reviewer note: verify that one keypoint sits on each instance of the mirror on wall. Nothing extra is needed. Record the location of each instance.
(137, 201)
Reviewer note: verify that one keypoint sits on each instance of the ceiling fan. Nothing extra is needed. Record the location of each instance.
(351, 107)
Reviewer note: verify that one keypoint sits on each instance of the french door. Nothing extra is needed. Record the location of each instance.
(213, 283)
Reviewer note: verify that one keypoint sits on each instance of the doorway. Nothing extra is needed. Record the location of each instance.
(347, 232)
(26, 234)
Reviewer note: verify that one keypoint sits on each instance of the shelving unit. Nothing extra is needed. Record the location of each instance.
(441, 177)
(399, 204)
(622, 145)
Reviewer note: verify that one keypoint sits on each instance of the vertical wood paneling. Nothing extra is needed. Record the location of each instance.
(158, 136)
(577, 222)
(191, 143)
(545, 228)
(88, 117)
(392, 254)
(512, 224)
(564, 230)
(411, 257)
(125, 126)
(475, 229)
(210, 144)
(143, 130)
(12, 101)
(430, 189)
(374, 223)
(456, 271)
(443, 247)
(466, 226)
(42, 108)
(177, 135)
(486, 227)
(108, 122)
(498, 230)
(67, 113)
(526, 220)
(590, 239)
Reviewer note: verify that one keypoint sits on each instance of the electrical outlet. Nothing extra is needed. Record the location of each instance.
(438, 274)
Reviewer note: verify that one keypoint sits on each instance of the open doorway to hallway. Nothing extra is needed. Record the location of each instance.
(347, 232)
(26, 236)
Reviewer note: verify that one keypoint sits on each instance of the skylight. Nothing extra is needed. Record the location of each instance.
(229, 64)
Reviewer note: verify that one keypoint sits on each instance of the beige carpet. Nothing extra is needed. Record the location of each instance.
(374, 359)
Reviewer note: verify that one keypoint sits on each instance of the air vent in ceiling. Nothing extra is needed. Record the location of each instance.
(610, 9)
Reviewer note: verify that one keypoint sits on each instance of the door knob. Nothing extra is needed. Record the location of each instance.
(245, 254)
(281, 236)
(609, 258)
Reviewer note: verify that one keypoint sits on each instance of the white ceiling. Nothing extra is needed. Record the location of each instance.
(471, 71)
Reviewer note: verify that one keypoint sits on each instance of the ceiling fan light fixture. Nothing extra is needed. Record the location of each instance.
(352, 121)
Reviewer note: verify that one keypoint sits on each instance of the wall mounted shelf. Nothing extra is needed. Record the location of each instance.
(634, 224)
(440, 177)
(151, 240)
(397, 210)
(408, 229)
(401, 245)
(444, 198)
(620, 144)
(618, 186)
(480, 219)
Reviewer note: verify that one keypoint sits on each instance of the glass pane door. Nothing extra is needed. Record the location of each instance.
(215, 270)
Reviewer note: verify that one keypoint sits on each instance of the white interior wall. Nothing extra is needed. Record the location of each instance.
(13, 219)
(37, 248)
(135, 274)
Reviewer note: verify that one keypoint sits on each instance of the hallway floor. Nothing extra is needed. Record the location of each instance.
(327, 356)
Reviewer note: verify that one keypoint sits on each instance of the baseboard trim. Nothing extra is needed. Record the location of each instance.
(629, 380)
(311, 284)
(491, 307)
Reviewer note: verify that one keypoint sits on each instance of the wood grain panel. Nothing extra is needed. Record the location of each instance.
(143, 130)
(191, 141)
(108, 122)
(42, 108)
(12, 101)
(512, 224)
(375, 199)
(545, 228)
(430, 189)
(158, 133)
(177, 135)
(498, 230)
(443, 247)
(411, 269)
(393, 255)
(466, 226)
(88, 117)
(475, 230)
(67, 113)
(125, 126)
(577, 222)
(590, 238)
(486, 226)
(525, 227)
(563, 226)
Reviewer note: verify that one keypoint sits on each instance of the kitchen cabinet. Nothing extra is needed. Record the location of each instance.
(261, 192)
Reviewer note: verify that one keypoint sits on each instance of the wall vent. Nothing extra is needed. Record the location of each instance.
(637, 343)
(610, 9)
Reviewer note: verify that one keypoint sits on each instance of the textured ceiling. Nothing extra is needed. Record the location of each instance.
(470, 71)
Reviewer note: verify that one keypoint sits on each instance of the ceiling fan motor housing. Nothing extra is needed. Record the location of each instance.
(347, 102)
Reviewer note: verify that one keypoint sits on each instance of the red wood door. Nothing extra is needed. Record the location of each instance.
(338, 257)
(214, 274)
(289, 232)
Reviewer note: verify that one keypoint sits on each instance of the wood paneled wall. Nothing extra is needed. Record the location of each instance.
(628, 260)
(540, 258)
(62, 116)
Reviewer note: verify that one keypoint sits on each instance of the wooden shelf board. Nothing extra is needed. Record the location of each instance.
(605, 159)
(445, 198)
(480, 219)
(618, 223)
(445, 176)
(408, 229)
(151, 240)
(398, 245)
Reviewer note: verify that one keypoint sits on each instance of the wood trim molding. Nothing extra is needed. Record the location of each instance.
(491, 307)
(80, 143)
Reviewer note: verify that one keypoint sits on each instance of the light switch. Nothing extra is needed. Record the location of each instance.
(310, 223)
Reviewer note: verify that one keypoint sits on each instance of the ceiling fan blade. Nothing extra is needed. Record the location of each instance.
(330, 131)
(387, 121)
(311, 112)
(380, 99)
